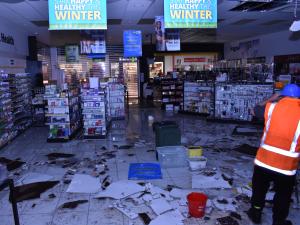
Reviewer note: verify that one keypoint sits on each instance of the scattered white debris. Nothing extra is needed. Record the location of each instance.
(126, 211)
(84, 184)
(120, 190)
(173, 217)
(197, 163)
(225, 204)
(205, 182)
(160, 206)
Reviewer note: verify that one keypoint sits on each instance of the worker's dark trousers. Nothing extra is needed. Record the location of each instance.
(283, 186)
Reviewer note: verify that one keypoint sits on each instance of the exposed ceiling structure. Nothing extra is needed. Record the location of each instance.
(237, 20)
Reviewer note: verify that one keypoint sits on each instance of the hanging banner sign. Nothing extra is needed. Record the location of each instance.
(77, 14)
(173, 40)
(132, 43)
(72, 53)
(190, 13)
(166, 40)
(160, 33)
(93, 42)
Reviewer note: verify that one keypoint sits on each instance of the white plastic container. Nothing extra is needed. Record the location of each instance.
(172, 156)
(197, 163)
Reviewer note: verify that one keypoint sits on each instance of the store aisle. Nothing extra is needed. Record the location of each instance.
(136, 132)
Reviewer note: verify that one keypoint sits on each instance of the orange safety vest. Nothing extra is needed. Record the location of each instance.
(280, 145)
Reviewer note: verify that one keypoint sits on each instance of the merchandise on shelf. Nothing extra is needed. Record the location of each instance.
(94, 113)
(6, 116)
(172, 94)
(63, 113)
(199, 97)
(116, 101)
(20, 94)
(235, 101)
(38, 106)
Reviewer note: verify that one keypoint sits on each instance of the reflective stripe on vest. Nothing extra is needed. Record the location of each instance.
(286, 172)
(292, 151)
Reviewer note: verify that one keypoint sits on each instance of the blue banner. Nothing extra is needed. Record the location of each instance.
(132, 43)
(190, 13)
(77, 14)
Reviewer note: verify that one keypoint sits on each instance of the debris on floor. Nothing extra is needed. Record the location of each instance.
(73, 204)
(206, 182)
(57, 155)
(225, 204)
(33, 178)
(125, 210)
(11, 164)
(227, 220)
(246, 149)
(120, 190)
(33, 190)
(84, 184)
(146, 219)
(172, 217)
(160, 206)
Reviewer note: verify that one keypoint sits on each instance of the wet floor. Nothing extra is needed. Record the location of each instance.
(136, 131)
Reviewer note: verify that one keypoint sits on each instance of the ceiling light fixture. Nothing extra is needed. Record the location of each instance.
(296, 24)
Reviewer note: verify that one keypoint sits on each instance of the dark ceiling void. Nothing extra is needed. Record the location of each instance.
(114, 21)
(243, 21)
(146, 21)
(259, 5)
(273, 22)
(41, 23)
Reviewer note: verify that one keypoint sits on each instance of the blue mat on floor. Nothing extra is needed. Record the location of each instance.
(144, 171)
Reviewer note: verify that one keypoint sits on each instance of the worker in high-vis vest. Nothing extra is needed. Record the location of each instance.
(277, 159)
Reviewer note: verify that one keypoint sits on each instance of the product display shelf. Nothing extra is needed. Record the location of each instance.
(63, 114)
(94, 113)
(235, 101)
(21, 94)
(116, 101)
(6, 117)
(199, 98)
(38, 106)
(172, 94)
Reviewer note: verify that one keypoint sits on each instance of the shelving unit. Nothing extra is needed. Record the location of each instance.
(94, 113)
(63, 113)
(38, 106)
(116, 101)
(20, 89)
(172, 94)
(235, 101)
(6, 117)
(199, 98)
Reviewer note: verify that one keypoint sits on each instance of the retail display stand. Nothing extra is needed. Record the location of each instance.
(199, 98)
(6, 115)
(38, 107)
(235, 101)
(63, 113)
(94, 113)
(172, 94)
(116, 101)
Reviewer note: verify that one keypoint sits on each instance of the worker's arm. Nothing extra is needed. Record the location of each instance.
(259, 110)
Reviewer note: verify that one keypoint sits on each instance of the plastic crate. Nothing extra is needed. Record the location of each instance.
(172, 156)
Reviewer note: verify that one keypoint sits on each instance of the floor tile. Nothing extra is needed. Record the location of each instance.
(70, 218)
(105, 217)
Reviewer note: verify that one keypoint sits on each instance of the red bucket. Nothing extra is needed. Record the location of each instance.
(197, 204)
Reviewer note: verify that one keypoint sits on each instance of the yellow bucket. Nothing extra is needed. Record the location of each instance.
(195, 151)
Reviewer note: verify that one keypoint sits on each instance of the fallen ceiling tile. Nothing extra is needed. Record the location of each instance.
(120, 190)
(33, 178)
(173, 217)
(84, 184)
(160, 206)
(33, 190)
